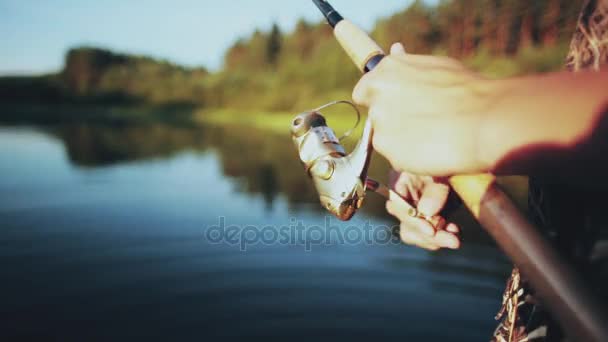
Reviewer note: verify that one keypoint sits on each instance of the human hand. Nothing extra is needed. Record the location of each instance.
(425, 112)
(429, 197)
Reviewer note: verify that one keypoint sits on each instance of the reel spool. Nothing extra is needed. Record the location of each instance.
(339, 178)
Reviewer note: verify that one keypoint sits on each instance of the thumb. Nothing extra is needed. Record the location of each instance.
(363, 92)
(397, 49)
(433, 199)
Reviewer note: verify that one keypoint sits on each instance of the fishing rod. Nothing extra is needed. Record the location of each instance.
(341, 182)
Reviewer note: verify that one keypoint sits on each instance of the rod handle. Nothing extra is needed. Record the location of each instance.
(361, 49)
(472, 189)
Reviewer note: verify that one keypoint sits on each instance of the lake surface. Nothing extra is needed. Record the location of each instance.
(115, 233)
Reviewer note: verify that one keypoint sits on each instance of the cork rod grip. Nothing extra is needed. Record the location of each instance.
(357, 43)
(473, 188)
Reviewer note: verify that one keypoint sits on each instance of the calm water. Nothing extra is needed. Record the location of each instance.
(105, 236)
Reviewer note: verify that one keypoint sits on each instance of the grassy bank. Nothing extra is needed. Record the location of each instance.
(278, 122)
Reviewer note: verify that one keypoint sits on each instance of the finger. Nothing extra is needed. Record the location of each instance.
(401, 213)
(408, 186)
(438, 222)
(426, 61)
(363, 92)
(399, 183)
(393, 178)
(416, 184)
(411, 237)
(402, 210)
(414, 192)
(446, 240)
(398, 49)
(423, 226)
(433, 199)
(380, 142)
(397, 210)
(453, 228)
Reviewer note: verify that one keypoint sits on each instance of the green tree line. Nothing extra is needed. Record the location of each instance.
(306, 67)
(277, 71)
(92, 75)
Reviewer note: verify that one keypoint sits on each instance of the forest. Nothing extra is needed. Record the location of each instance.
(275, 71)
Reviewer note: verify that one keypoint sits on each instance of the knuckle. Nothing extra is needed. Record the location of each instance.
(379, 142)
(407, 235)
(407, 240)
(364, 90)
(360, 90)
(390, 207)
(357, 93)
(386, 62)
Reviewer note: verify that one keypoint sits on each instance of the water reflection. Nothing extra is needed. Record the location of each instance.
(98, 145)
(259, 162)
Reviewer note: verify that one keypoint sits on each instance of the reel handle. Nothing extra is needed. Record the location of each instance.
(438, 222)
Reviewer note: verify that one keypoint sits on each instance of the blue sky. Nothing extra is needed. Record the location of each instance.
(36, 33)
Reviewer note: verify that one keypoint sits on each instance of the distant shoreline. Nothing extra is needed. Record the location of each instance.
(44, 114)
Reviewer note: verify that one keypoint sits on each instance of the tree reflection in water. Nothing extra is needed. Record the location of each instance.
(259, 162)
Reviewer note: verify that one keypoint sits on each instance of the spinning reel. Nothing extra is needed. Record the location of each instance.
(340, 179)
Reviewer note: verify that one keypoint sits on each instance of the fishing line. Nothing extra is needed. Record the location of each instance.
(333, 103)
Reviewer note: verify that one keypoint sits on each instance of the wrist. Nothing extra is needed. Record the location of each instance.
(493, 126)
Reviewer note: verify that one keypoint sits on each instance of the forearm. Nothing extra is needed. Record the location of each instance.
(535, 124)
